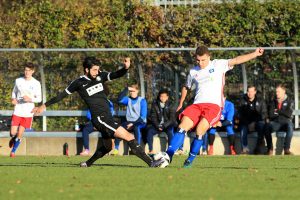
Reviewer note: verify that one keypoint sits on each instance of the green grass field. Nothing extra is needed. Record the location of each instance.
(126, 177)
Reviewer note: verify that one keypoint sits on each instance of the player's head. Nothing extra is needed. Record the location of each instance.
(133, 90)
(280, 91)
(29, 69)
(202, 56)
(163, 95)
(251, 92)
(91, 67)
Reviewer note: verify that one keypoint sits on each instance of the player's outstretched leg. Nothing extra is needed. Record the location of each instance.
(194, 151)
(176, 142)
(105, 148)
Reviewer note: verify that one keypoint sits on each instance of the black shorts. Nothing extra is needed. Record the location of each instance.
(105, 124)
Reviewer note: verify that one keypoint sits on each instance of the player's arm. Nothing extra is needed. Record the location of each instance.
(184, 92)
(121, 72)
(14, 99)
(37, 96)
(69, 90)
(246, 57)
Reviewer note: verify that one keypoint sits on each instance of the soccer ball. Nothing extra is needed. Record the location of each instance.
(164, 156)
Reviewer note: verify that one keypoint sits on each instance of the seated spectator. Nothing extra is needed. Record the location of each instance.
(281, 115)
(252, 113)
(225, 124)
(89, 128)
(136, 113)
(162, 118)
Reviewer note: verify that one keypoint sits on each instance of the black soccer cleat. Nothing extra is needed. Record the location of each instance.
(157, 163)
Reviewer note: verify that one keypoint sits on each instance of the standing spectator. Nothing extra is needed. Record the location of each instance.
(26, 92)
(281, 115)
(226, 123)
(89, 128)
(136, 113)
(162, 118)
(252, 115)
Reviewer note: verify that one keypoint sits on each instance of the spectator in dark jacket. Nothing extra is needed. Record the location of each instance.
(281, 115)
(252, 115)
(162, 117)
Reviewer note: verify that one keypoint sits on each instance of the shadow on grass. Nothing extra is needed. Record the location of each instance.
(72, 165)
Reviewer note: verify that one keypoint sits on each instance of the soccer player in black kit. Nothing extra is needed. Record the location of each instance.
(91, 90)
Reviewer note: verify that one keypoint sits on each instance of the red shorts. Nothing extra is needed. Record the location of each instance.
(211, 112)
(21, 121)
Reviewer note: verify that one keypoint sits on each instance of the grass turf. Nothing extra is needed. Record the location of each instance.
(126, 177)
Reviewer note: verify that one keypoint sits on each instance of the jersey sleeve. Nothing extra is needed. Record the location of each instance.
(14, 91)
(38, 93)
(223, 65)
(189, 81)
(73, 86)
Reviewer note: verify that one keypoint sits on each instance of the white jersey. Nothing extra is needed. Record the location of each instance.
(30, 88)
(209, 82)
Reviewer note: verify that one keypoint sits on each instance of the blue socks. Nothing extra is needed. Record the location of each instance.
(195, 148)
(176, 142)
(16, 145)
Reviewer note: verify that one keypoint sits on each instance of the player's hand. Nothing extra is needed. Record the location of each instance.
(179, 107)
(27, 98)
(14, 101)
(127, 62)
(259, 51)
(129, 126)
(38, 110)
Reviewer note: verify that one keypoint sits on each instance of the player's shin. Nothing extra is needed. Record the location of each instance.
(17, 142)
(100, 152)
(176, 142)
(195, 148)
(139, 152)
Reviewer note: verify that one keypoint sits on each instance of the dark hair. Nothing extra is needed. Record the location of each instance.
(282, 86)
(89, 62)
(29, 65)
(163, 91)
(251, 86)
(201, 50)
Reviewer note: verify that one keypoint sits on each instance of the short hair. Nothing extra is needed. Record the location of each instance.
(163, 91)
(201, 50)
(251, 86)
(135, 86)
(282, 86)
(29, 65)
(89, 62)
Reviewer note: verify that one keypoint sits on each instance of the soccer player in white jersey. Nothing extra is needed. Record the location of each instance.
(209, 79)
(26, 92)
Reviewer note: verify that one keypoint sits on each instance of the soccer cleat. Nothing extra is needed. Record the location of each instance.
(204, 153)
(83, 164)
(187, 164)
(157, 163)
(12, 154)
(115, 152)
(85, 153)
(12, 141)
(270, 152)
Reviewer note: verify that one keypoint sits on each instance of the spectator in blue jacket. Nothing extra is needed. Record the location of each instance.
(89, 128)
(225, 124)
(136, 113)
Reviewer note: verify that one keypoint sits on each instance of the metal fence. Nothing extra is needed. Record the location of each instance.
(155, 68)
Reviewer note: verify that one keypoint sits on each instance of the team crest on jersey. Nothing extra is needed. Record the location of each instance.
(211, 70)
(94, 89)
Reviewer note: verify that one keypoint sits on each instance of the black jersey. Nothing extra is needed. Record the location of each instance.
(91, 91)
